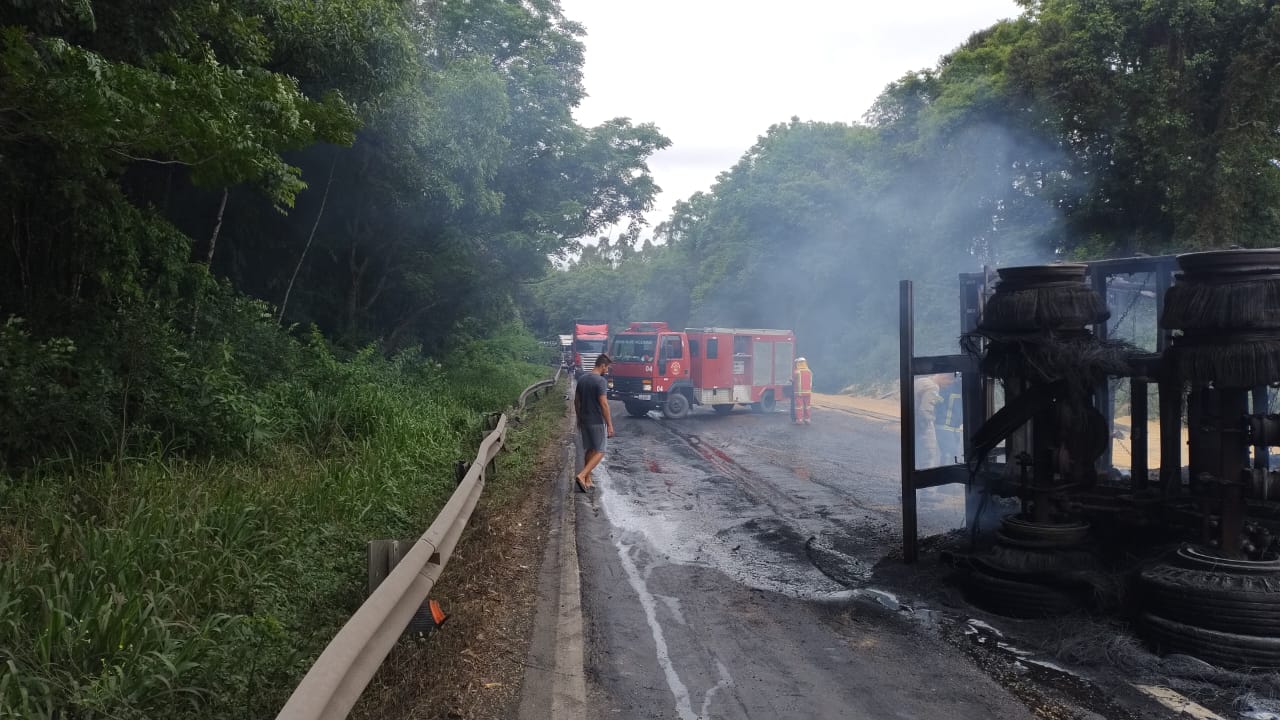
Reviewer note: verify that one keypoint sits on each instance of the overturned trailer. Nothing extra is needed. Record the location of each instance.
(1189, 551)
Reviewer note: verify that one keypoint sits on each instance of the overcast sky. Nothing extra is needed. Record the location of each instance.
(715, 74)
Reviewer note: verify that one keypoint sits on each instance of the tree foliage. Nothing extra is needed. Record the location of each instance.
(1079, 129)
(396, 168)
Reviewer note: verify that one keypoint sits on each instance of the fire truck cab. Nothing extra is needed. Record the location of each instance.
(657, 368)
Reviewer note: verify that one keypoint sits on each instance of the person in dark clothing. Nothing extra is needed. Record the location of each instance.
(591, 406)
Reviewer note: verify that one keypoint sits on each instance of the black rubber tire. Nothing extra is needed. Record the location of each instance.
(1190, 556)
(1259, 619)
(636, 410)
(1221, 601)
(1024, 544)
(768, 403)
(676, 406)
(1068, 533)
(723, 409)
(1231, 650)
(1012, 598)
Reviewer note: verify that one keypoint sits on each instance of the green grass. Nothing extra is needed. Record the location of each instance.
(541, 423)
(169, 587)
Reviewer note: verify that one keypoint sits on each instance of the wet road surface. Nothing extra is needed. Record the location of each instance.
(718, 555)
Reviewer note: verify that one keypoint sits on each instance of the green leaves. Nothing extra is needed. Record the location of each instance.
(226, 125)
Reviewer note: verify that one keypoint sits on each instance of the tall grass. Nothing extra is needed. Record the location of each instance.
(164, 587)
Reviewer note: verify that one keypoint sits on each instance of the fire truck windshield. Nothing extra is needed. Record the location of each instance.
(634, 348)
(590, 346)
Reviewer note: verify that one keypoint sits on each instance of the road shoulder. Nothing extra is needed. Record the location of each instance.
(554, 684)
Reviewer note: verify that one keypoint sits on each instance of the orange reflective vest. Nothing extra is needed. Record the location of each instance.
(803, 382)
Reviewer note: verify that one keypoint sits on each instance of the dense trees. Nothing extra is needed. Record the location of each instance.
(388, 170)
(1078, 129)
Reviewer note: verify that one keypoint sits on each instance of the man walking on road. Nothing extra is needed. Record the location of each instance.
(591, 405)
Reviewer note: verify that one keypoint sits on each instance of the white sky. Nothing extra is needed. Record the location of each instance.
(715, 74)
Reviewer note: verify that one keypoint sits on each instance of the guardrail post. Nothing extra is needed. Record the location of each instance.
(460, 468)
(383, 556)
(377, 563)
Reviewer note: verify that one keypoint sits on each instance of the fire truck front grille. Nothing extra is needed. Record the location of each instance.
(589, 360)
(627, 384)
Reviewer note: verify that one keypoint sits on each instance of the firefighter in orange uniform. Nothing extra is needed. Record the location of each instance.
(802, 390)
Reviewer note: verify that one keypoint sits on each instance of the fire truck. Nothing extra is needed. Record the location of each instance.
(657, 368)
(588, 342)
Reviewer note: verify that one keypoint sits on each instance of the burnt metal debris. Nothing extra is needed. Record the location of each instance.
(1190, 553)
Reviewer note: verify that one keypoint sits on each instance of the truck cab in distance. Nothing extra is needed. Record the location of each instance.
(588, 342)
(657, 368)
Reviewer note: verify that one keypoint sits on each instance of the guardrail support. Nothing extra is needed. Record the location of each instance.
(401, 576)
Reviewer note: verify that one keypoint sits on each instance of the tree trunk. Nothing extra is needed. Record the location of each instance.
(301, 258)
(393, 341)
(217, 228)
(208, 259)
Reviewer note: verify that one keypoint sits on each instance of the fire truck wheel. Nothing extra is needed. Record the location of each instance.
(676, 407)
(636, 409)
(723, 409)
(767, 402)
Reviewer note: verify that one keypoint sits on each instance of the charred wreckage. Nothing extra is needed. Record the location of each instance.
(1189, 551)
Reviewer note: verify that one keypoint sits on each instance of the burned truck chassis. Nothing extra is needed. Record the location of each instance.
(1203, 532)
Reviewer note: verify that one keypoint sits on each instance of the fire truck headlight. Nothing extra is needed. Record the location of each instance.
(610, 384)
(648, 384)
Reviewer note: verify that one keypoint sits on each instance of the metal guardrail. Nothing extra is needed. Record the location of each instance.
(334, 683)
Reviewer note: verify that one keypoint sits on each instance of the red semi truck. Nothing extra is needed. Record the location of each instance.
(657, 368)
(588, 342)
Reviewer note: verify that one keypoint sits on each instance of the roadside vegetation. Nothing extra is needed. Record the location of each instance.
(489, 589)
(261, 270)
(170, 586)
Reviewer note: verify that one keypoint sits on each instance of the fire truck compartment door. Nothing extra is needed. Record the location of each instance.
(783, 353)
(761, 363)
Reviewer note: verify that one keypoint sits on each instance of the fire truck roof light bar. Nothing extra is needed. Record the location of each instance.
(738, 331)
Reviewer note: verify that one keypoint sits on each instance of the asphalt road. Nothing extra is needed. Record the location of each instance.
(724, 563)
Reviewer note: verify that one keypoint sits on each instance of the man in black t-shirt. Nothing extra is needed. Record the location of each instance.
(591, 405)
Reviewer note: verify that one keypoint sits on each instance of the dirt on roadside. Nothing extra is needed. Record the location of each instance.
(473, 666)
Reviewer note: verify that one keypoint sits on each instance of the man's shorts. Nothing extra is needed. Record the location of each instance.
(595, 437)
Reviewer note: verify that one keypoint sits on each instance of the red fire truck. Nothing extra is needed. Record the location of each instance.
(657, 368)
(588, 342)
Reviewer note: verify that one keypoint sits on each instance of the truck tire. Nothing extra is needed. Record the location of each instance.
(1229, 650)
(635, 409)
(676, 407)
(1014, 598)
(1214, 600)
(768, 403)
(723, 409)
